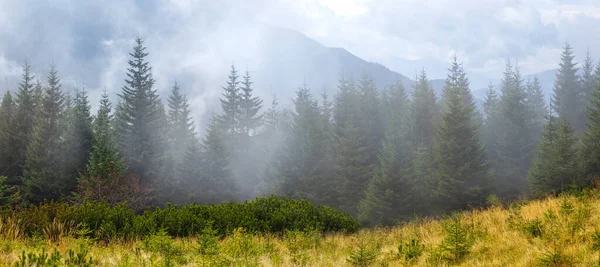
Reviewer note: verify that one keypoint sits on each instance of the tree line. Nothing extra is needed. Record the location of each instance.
(381, 154)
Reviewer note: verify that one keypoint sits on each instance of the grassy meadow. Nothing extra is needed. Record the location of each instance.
(557, 231)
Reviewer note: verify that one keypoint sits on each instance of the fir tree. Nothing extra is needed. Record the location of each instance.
(140, 120)
(464, 176)
(553, 169)
(567, 97)
(44, 175)
(21, 130)
(396, 105)
(7, 108)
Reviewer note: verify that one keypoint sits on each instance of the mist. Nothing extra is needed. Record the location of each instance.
(391, 55)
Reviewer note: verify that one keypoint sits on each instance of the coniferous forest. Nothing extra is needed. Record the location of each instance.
(381, 155)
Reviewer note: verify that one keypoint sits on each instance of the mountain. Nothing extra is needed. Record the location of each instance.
(294, 59)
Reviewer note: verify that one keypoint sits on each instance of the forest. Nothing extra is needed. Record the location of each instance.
(377, 154)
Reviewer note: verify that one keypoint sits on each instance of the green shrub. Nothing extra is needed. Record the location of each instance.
(104, 222)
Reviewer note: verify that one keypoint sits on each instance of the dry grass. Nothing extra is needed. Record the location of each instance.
(500, 237)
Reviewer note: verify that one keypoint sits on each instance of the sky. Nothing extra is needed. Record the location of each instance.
(196, 41)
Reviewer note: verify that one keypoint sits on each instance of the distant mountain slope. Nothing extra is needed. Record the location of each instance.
(294, 59)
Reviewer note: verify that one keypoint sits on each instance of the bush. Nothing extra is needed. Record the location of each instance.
(458, 241)
(105, 222)
(411, 249)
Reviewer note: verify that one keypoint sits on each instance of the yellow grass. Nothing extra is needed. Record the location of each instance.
(500, 239)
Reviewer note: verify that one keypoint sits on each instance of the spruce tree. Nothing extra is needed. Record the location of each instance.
(553, 169)
(44, 175)
(491, 126)
(588, 83)
(369, 119)
(514, 143)
(21, 130)
(567, 96)
(390, 195)
(7, 108)
(395, 105)
(589, 156)
(250, 105)
(104, 157)
(352, 165)
(217, 181)
(230, 104)
(538, 110)
(424, 113)
(463, 170)
(140, 120)
(302, 166)
(181, 126)
(79, 138)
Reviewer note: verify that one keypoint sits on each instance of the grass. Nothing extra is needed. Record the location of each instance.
(557, 231)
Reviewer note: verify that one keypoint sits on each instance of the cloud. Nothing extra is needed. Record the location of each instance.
(195, 41)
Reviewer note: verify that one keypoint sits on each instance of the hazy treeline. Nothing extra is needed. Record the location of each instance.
(376, 153)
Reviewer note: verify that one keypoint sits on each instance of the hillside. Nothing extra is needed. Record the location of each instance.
(557, 231)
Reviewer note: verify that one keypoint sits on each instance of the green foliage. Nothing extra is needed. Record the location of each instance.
(567, 97)
(596, 240)
(411, 249)
(241, 249)
(165, 246)
(463, 171)
(554, 168)
(55, 259)
(105, 223)
(362, 256)
(555, 257)
(140, 122)
(534, 228)
(458, 241)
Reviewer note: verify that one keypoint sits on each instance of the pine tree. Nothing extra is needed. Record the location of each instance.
(22, 127)
(424, 113)
(140, 120)
(44, 175)
(79, 138)
(230, 104)
(538, 110)
(104, 157)
(589, 156)
(463, 171)
(250, 105)
(567, 97)
(553, 169)
(217, 181)
(7, 108)
(514, 144)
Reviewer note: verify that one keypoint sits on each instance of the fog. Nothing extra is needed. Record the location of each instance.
(285, 44)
